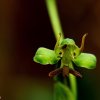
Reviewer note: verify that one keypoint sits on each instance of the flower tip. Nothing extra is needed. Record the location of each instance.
(83, 41)
(75, 73)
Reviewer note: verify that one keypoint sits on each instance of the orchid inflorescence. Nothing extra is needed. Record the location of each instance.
(68, 53)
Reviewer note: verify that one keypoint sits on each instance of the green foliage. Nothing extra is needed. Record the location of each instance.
(62, 92)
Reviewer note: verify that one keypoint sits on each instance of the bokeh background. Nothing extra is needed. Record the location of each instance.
(25, 26)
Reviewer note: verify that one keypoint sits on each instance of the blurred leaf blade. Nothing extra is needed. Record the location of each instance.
(62, 92)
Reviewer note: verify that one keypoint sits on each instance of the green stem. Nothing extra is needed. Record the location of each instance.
(73, 83)
(56, 25)
(54, 17)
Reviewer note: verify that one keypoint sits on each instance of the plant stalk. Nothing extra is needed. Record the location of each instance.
(54, 18)
(73, 83)
(56, 25)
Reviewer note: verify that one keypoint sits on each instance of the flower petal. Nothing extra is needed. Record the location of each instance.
(67, 41)
(86, 60)
(45, 56)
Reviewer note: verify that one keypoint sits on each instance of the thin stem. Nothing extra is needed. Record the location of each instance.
(54, 17)
(73, 83)
(56, 25)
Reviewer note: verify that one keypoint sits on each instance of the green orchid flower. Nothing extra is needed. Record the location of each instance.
(68, 52)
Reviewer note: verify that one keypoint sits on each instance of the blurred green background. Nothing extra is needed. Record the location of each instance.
(25, 26)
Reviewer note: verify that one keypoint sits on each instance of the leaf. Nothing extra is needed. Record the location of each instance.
(86, 60)
(62, 92)
(45, 56)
